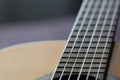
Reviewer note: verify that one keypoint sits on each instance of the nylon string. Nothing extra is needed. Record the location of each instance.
(96, 4)
(74, 41)
(99, 39)
(90, 43)
(115, 10)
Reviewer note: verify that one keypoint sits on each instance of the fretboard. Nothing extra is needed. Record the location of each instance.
(88, 48)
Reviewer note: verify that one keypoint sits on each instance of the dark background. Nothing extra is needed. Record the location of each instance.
(23, 21)
(32, 10)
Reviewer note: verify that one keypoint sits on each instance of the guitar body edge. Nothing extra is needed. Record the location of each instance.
(33, 60)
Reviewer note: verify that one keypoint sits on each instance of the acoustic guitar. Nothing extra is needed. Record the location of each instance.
(89, 53)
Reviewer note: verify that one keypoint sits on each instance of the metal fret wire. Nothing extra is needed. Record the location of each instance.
(72, 31)
(74, 41)
(74, 25)
(117, 4)
(90, 42)
(99, 38)
(96, 4)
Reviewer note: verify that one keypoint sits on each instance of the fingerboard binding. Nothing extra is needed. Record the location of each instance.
(88, 47)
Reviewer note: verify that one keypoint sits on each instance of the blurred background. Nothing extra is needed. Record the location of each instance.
(27, 10)
(36, 20)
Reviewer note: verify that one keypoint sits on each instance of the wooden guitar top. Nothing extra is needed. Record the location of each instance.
(32, 60)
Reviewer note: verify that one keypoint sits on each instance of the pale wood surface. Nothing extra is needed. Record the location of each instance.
(32, 60)
(29, 61)
(115, 60)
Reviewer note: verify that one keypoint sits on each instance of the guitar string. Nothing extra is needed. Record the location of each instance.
(92, 16)
(98, 19)
(71, 50)
(101, 32)
(85, 1)
(74, 26)
(115, 10)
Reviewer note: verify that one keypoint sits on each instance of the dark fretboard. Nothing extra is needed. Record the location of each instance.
(88, 48)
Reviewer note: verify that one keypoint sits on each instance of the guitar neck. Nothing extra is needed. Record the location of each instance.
(88, 48)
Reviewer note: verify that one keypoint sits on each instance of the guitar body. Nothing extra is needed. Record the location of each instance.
(32, 61)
